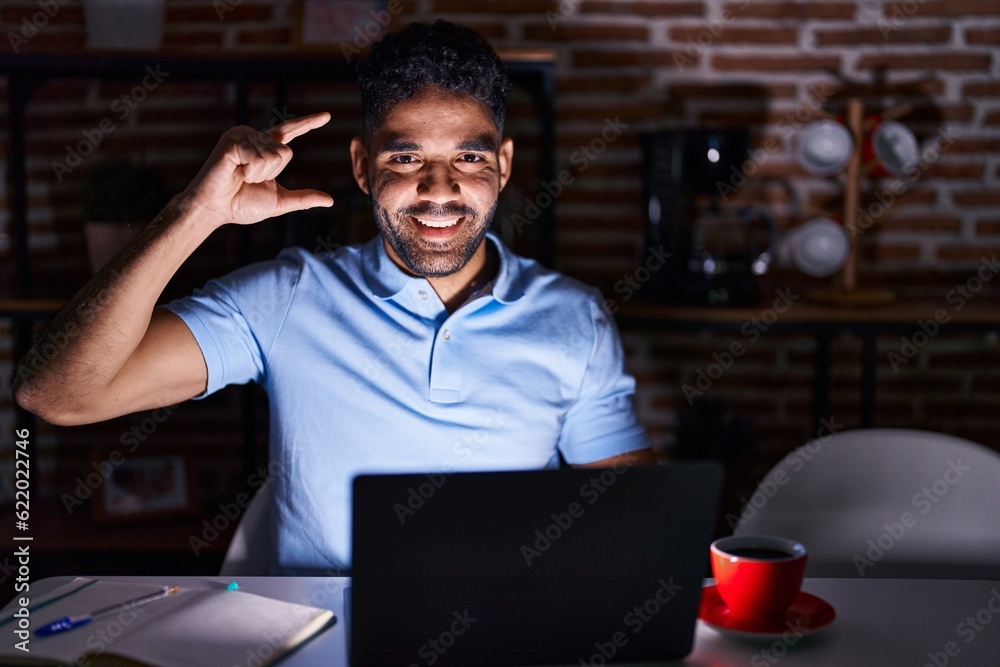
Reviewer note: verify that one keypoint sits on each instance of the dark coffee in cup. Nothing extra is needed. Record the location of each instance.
(760, 553)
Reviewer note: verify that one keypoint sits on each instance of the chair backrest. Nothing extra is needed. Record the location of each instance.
(885, 503)
(249, 553)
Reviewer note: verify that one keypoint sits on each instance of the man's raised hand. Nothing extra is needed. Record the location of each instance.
(236, 183)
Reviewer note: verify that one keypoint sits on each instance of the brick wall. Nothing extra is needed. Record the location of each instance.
(644, 64)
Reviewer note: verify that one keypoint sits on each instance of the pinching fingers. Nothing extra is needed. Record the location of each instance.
(296, 127)
(269, 158)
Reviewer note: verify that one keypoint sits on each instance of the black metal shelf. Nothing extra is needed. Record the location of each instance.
(822, 322)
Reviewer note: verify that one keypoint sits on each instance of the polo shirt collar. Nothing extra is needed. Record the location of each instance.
(386, 280)
(508, 285)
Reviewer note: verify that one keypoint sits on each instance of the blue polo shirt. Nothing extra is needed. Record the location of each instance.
(366, 371)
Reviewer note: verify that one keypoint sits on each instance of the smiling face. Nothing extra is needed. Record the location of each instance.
(434, 169)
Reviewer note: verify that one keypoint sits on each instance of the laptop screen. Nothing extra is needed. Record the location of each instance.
(530, 567)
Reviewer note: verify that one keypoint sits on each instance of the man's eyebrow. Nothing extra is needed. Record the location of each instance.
(481, 144)
(398, 146)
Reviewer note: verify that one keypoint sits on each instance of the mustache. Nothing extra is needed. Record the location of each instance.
(432, 210)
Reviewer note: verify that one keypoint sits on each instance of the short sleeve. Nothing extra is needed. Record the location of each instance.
(237, 318)
(602, 422)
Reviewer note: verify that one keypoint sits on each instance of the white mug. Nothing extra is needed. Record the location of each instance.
(824, 147)
(819, 247)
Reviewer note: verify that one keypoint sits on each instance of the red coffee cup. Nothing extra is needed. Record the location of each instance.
(758, 575)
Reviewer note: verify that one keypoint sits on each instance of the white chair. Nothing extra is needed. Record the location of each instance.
(885, 503)
(250, 552)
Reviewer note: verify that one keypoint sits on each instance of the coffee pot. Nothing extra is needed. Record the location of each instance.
(726, 250)
(717, 249)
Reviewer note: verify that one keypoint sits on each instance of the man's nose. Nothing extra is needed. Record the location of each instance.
(438, 184)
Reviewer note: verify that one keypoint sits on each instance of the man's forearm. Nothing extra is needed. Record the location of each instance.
(106, 354)
(80, 353)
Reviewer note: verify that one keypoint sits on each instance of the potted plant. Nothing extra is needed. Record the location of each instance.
(119, 198)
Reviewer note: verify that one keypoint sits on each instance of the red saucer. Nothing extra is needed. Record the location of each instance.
(806, 615)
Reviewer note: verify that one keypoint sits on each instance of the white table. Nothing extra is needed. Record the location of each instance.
(884, 622)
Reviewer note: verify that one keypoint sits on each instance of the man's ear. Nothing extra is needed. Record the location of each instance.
(359, 164)
(505, 159)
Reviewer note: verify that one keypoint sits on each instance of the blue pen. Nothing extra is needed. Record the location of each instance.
(70, 622)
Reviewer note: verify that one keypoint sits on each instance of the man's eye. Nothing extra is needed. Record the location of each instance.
(403, 159)
(471, 157)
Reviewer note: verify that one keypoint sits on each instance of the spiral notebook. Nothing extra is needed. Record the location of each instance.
(189, 628)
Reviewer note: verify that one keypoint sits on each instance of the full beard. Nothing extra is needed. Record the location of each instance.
(427, 258)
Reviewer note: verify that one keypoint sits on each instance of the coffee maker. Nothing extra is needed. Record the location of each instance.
(716, 248)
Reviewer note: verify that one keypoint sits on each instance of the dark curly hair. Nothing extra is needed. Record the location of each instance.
(444, 55)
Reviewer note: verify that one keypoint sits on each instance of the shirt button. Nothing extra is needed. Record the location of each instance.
(446, 335)
(423, 294)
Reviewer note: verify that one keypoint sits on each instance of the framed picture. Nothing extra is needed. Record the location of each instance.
(145, 487)
(332, 23)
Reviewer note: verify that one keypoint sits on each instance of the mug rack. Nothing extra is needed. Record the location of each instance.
(847, 291)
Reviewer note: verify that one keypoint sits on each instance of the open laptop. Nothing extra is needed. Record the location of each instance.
(581, 566)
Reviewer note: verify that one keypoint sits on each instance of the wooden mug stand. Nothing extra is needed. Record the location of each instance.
(847, 292)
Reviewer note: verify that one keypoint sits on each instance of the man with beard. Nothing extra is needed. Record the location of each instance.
(430, 348)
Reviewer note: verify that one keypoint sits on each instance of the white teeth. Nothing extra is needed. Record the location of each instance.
(438, 223)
